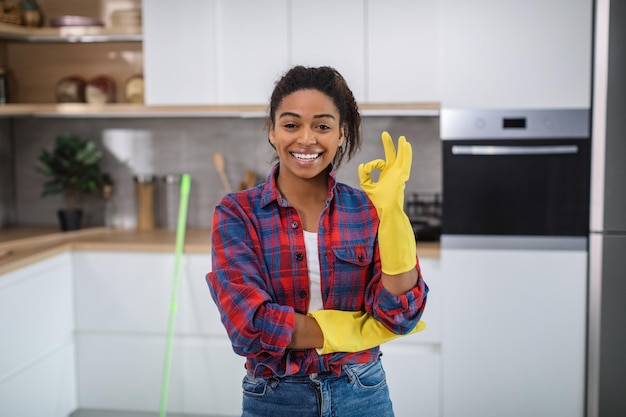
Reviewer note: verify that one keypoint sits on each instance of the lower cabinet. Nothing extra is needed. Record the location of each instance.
(122, 312)
(88, 330)
(413, 363)
(513, 343)
(37, 368)
(413, 375)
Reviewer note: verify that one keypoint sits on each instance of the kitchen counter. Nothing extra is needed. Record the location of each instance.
(22, 246)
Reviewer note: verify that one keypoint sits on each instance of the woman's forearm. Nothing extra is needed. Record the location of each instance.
(306, 334)
(401, 283)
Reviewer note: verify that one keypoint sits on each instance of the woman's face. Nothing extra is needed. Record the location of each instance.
(306, 133)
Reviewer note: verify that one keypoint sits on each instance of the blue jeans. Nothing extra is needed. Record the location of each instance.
(360, 391)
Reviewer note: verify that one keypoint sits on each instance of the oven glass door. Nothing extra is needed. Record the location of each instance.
(530, 187)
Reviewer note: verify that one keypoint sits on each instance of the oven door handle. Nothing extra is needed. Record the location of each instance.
(514, 150)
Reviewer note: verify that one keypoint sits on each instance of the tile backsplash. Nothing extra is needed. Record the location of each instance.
(173, 145)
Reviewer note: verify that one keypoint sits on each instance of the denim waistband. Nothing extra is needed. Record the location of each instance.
(346, 370)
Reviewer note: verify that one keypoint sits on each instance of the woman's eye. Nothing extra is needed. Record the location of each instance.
(289, 125)
(323, 127)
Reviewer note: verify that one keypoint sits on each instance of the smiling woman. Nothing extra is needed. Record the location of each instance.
(298, 273)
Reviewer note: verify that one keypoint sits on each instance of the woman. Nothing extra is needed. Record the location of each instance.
(311, 275)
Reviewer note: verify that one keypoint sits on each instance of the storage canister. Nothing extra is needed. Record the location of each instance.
(144, 185)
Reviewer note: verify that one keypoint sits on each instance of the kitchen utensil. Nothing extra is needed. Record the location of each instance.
(172, 192)
(218, 159)
(249, 180)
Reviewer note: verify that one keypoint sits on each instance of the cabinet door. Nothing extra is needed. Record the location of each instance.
(179, 52)
(252, 39)
(37, 372)
(516, 54)
(413, 363)
(122, 312)
(514, 332)
(413, 374)
(402, 51)
(337, 38)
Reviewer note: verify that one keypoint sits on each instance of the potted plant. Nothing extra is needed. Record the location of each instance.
(72, 169)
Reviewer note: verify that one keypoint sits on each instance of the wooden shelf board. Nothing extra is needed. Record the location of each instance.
(123, 110)
(69, 34)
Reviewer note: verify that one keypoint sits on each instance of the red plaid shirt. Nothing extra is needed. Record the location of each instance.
(259, 276)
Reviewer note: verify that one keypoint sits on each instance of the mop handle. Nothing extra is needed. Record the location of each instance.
(180, 241)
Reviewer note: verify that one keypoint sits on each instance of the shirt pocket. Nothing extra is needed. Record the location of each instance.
(352, 257)
(352, 266)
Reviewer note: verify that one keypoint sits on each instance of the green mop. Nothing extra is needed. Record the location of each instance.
(180, 241)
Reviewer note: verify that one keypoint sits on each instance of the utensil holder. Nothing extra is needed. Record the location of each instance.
(144, 186)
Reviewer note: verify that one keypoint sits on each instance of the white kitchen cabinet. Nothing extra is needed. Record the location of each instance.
(122, 311)
(122, 307)
(402, 51)
(37, 372)
(179, 47)
(516, 54)
(341, 44)
(413, 363)
(232, 52)
(252, 46)
(213, 51)
(513, 340)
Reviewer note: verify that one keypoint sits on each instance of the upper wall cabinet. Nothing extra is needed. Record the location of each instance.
(179, 50)
(204, 52)
(251, 49)
(319, 37)
(402, 51)
(212, 52)
(516, 54)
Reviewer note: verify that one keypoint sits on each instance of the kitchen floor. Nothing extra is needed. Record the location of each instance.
(117, 413)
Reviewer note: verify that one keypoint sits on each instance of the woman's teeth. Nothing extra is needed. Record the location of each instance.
(306, 156)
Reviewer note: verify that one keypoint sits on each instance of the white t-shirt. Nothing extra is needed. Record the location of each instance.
(313, 264)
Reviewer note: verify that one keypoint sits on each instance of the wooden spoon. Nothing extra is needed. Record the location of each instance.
(218, 160)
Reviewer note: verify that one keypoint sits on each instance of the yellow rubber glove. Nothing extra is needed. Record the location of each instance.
(396, 239)
(353, 331)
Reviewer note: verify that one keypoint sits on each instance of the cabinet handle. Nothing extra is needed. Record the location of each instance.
(514, 150)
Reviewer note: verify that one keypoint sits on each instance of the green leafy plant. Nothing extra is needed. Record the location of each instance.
(72, 168)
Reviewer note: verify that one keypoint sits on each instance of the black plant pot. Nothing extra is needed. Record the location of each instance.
(70, 219)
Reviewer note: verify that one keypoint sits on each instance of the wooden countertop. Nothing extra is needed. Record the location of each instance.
(22, 246)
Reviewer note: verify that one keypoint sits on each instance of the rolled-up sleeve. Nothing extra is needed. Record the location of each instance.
(399, 313)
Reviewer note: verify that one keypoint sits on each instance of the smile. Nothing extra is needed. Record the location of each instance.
(306, 156)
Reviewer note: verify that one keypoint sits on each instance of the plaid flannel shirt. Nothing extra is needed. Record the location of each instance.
(259, 275)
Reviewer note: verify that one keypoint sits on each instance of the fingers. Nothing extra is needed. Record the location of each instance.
(366, 169)
(400, 161)
(390, 150)
(405, 157)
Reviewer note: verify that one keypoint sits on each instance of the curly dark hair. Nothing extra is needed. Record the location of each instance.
(330, 82)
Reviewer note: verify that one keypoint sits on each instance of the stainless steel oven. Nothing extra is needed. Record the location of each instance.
(516, 172)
